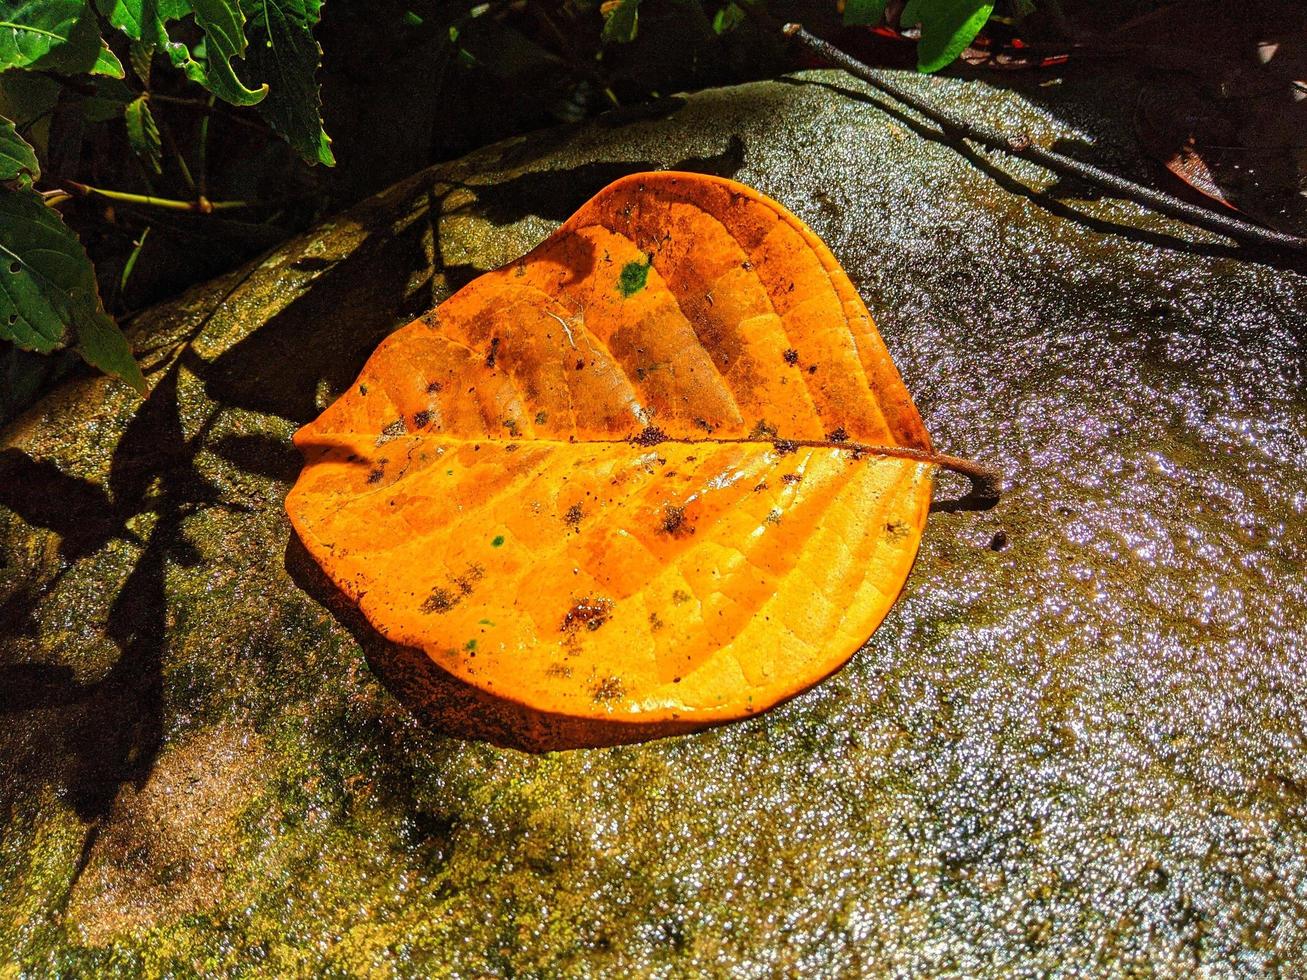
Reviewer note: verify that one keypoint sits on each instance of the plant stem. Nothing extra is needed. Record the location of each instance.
(176, 152)
(202, 153)
(1022, 146)
(199, 206)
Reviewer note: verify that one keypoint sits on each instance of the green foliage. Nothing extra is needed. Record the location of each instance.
(48, 296)
(258, 53)
(57, 35)
(947, 27)
(283, 51)
(223, 24)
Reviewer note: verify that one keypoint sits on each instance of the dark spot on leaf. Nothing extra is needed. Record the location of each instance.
(441, 600)
(15, 267)
(497, 540)
(558, 670)
(494, 351)
(655, 623)
(760, 487)
(674, 521)
(680, 596)
(812, 369)
(763, 430)
(579, 364)
(999, 541)
(609, 689)
(774, 517)
(650, 436)
(420, 419)
(839, 435)
(573, 516)
(792, 478)
(433, 387)
(541, 418)
(376, 474)
(588, 612)
(393, 431)
(363, 389)
(473, 573)
(791, 357)
(785, 446)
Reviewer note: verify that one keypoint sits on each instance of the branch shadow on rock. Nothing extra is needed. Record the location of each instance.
(449, 706)
(1053, 198)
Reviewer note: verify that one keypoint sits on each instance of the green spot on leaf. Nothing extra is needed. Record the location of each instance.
(498, 540)
(633, 278)
(470, 645)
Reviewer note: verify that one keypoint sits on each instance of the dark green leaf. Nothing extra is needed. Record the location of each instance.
(143, 133)
(26, 98)
(859, 13)
(17, 158)
(48, 35)
(223, 23)
(48, 296)
(284, 53)
(102, 345)
(141, 55)
(947, 27)
(621, 22)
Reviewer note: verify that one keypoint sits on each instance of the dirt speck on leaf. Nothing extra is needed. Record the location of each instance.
(590, 612)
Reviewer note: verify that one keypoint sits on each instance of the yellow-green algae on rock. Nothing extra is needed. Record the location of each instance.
(1076, 742)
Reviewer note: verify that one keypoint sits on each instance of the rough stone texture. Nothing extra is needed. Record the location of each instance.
(1077, 740)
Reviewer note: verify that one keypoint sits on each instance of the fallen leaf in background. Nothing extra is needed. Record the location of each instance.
(644, 474)
(1227, 110)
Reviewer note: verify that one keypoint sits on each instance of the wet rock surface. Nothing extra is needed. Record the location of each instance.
(1077, 739)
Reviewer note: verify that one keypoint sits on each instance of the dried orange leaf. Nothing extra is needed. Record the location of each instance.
(622, 479)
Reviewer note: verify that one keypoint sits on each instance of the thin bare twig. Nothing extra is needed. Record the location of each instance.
(1023, 146)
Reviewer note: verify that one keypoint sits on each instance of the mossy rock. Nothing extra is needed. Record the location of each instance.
(1077, 739)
